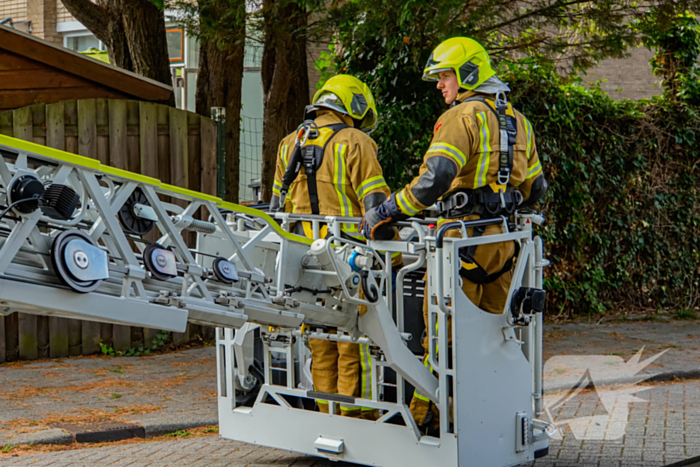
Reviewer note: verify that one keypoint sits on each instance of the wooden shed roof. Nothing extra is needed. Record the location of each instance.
(48, 72)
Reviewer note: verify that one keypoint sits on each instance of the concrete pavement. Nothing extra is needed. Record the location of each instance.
(44, 402)
(663, 428)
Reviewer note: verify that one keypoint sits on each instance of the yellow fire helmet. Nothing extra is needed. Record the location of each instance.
(349, 96)
(466, 57)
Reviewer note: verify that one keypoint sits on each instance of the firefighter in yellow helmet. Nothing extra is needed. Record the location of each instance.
(482, 162)
(338, 175)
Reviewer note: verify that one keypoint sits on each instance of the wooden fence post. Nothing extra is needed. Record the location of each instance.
(55, 138)
(22, 129)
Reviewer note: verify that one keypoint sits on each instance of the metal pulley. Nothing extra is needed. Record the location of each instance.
(225, 271)
(78, 261)
(161, 263)
(133, 217)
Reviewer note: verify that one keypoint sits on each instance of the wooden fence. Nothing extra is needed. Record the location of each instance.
(176, 146)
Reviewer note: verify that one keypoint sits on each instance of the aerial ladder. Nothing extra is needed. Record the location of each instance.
(79, 239)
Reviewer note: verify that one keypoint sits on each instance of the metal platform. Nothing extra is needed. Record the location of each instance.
(88, 241)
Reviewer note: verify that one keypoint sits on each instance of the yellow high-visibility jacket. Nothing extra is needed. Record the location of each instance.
(463, 155)
(349, 180)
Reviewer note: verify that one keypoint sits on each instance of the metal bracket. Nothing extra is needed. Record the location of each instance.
(286, 302)
(169, 299)
(509, 335)
(227, 300)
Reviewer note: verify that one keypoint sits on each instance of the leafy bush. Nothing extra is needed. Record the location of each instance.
(623, 207)
(623, 216)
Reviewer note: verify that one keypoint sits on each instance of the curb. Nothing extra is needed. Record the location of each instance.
(655, 378)
(108, 432)
(153, 429)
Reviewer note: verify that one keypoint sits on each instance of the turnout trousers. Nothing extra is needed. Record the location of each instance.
(342, 368)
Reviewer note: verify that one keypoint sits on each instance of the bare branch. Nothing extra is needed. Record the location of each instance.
(530, 14)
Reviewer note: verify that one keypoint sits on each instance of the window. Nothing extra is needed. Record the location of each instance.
(192, 52)
(176, 45)
(83, 42)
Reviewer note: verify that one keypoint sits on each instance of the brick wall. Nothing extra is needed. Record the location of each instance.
(628, 78)
(15, 9)
(313, 53)
(62, 13)
(42, 14)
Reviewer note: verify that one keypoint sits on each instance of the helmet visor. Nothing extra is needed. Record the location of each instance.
(358, 106)
(369, 123)
(434, 74)
(330, 101)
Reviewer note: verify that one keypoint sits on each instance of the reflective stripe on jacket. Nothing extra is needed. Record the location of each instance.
(463, 154)
(347, 179)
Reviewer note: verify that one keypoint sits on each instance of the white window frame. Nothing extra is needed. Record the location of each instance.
(83, 33)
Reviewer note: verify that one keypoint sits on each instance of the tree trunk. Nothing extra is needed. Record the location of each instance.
(134, 33)
(219, 84)
(285, 80)
(144, 27)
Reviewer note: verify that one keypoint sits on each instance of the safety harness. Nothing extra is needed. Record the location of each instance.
(308, 152)
(497, 199)
(472, 271)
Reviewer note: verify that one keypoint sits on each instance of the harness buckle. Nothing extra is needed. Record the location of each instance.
(503, 200)
(308, 128)
(501, 99)
(456, 203)
(503, 177)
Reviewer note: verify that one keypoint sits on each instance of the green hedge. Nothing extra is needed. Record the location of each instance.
(623, 207)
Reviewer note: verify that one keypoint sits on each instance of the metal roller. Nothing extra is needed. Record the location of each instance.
(131, 217)
(78, 261)
(161, 263)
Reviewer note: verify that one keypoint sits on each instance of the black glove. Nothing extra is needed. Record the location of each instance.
(376, 225)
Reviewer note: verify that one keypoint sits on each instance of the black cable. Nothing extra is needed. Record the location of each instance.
(289, 289)
(7, 209)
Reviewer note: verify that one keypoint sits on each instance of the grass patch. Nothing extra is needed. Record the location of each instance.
(179, 434)
(686, 314)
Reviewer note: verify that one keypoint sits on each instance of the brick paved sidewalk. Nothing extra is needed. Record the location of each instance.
(163, 393)
(664, 427)
(661, 427)
(168, 392)
(679, 339)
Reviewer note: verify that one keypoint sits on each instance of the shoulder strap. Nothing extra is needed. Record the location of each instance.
(508, 130)
(310, 156)
(313, 156)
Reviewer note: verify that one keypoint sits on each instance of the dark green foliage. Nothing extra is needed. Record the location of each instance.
(676, 39)
(622, 210)
(623, 207)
